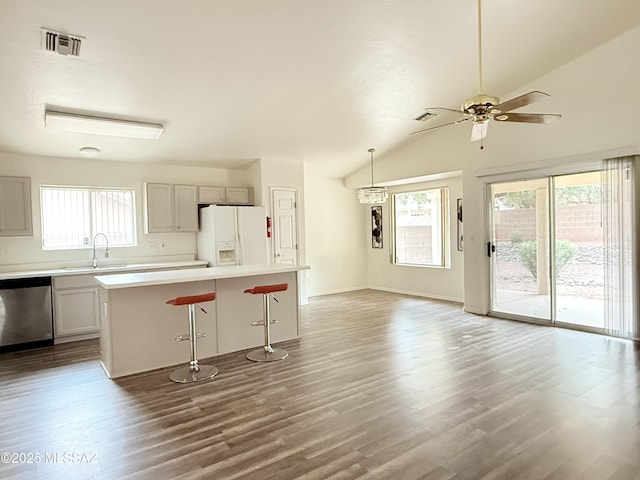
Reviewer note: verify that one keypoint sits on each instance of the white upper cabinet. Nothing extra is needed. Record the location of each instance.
(207, 194)
(239, 195)
(15, 206)
(158, 208)
(185, 208)
(225, 195)
(170, 208)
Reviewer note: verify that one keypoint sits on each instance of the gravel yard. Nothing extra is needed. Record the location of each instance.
(582, 277)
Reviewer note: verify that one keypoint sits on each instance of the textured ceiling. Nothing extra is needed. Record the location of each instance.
(315, 81)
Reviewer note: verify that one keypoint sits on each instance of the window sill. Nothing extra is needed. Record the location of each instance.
(416, 265)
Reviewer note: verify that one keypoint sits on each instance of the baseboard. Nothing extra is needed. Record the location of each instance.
(474, 311)
(105, 369)
(340, 290)
(418, 294)
(75, 338)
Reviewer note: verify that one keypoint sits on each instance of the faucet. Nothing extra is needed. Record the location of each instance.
(106, 249)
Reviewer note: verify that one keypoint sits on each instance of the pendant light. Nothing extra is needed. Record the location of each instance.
(372, 194)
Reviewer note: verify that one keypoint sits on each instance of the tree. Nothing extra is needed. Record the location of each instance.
(419, 198)
(571, 195)
(521, 199)
(579, 194)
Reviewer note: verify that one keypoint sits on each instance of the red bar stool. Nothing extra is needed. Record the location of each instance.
(194, 372)
(267, 353)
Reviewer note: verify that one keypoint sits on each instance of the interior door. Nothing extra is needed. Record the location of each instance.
(285, 225)
(520, 249)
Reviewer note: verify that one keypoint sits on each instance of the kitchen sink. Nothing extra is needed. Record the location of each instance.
(92, 269)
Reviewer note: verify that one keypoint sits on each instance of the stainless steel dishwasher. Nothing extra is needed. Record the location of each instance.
(26, 319)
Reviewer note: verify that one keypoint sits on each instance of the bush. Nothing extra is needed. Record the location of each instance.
(528, 255)
(565, 252)
(516, 236)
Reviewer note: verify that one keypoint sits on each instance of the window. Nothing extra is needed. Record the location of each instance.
(420, 227)
(72, 216)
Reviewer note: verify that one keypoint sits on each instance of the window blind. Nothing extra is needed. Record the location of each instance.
(71, 216)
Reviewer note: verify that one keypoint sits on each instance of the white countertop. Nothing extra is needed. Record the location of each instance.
(193, 275)
(100, 270)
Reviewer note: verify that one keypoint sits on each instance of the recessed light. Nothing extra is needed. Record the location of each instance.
(90, 151)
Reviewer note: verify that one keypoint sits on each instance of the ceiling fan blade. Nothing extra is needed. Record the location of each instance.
(479, 131)
(521, 101)
(443, 125)
(527, 117)
(433, 112)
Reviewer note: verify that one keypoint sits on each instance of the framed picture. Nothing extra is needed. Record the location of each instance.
(376, 226)
(459, 223)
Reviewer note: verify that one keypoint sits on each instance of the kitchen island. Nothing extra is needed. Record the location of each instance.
(138, 329)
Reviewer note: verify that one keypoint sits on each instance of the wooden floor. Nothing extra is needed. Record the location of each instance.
(381, 386)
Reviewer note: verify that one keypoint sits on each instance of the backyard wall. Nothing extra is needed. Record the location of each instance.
(576, 223)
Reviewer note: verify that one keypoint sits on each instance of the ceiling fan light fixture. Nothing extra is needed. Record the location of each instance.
(482, 107)
(371, 195)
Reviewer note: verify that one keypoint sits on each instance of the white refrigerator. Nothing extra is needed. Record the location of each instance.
(232, 235)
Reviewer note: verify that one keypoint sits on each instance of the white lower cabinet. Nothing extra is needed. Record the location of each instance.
(75, 308)
(76, 312)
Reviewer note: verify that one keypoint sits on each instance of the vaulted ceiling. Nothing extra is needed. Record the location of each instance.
(314, 81)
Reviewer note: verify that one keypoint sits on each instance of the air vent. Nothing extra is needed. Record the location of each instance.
(61, 43)
(425, 116)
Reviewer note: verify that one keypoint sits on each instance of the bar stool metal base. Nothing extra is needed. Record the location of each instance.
(194, 372)
(267, 353)
(187, 375)
(264, 355)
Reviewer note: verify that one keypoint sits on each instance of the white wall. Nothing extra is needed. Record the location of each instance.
(19, 251)
(599, 98)
(441, 283)
(283, 174)
(288, 175)
(337, 243)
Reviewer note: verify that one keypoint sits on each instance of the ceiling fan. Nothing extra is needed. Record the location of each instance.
(482, 107)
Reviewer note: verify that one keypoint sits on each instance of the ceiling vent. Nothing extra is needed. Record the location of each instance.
(61, 43)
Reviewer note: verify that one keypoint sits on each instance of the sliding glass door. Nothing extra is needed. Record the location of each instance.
(519, 249)
(562, 249)
(579, 249)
